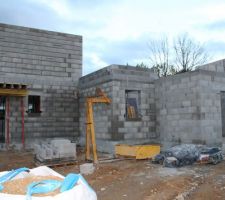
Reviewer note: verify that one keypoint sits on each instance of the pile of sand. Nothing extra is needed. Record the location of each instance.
(19, 186)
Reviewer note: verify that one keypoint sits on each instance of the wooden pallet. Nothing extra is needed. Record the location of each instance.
(56, 162)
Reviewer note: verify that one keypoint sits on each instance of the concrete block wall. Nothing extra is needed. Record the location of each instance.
(50, 63)
(110, 120)
(210, 97)
(178, 109)
(102, 112)
(212, 85)
(217, 66)
(188, 107)
(46, 54)
(15, 118)
(212, 88)
(145, 127)
(185, 108)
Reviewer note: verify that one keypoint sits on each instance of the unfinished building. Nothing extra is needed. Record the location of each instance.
(184, 108)
(42, 95)
(130, 118)
(39, 73)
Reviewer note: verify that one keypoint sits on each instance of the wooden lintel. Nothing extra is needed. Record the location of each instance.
(99, 100)
(13, 92)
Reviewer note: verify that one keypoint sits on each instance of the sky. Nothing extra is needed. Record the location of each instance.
(119, 31)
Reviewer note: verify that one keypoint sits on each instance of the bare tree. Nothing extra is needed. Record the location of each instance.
(141, 65)
(159, 56)
(188, 53)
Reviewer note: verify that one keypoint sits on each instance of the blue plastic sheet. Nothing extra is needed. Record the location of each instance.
(11, 175)
(69, 182)
(42, 187)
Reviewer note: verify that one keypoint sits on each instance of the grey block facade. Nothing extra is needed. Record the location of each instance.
(184, 108)
(50, 64)
(189, 106)
(110, 120)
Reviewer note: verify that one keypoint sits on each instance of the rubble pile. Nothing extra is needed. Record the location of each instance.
(187, 154)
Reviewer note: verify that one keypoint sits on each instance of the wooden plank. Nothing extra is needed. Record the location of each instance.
(137, 151)
(114, 160)
(55, 162)
(90, 130)
(87, 133)
(147, 151)
(13, 92)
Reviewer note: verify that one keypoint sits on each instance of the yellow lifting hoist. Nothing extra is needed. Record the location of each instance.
(100, 97)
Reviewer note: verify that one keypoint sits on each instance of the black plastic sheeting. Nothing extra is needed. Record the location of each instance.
(187, 154)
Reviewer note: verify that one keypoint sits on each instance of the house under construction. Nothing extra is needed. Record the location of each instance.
(42, 95)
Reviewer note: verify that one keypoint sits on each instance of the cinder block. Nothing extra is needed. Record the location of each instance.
(87, 168)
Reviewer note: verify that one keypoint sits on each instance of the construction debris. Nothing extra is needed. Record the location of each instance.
(211, 155)
(171, 162)
(187, 154)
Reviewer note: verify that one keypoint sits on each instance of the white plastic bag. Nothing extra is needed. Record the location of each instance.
(80, 192)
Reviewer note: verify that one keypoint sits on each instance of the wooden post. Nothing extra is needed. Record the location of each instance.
(22, 116)
(87, 132)
(90, 129)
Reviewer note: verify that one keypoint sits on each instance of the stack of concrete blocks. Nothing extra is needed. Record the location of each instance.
(50, 63)
(56, 149)
(111, 125)
(188, 106)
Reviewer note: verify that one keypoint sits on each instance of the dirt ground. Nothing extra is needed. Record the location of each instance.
(140, 180)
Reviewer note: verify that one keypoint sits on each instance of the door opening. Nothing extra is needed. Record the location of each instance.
(2, 119)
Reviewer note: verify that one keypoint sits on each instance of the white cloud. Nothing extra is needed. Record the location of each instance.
(213, 11)
(95, 61)
(120, 20)
(119, 25)
(61, 7)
